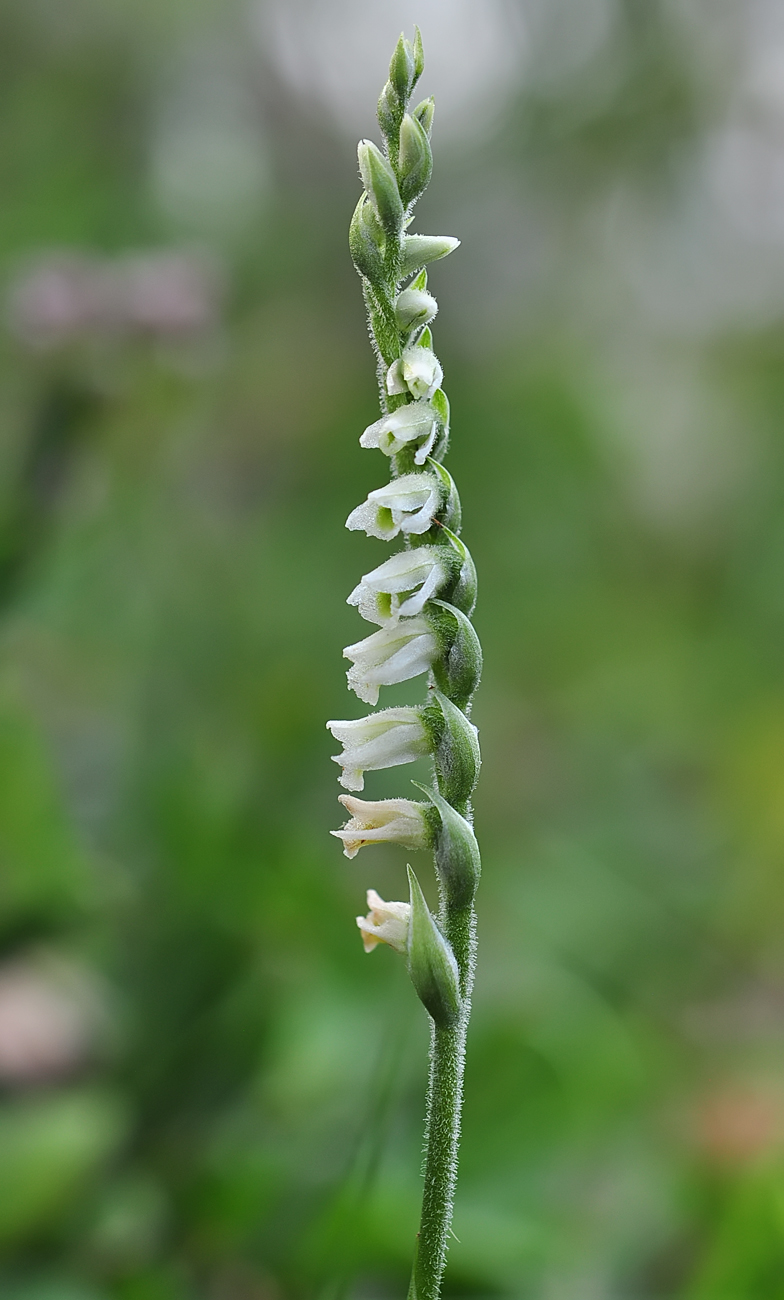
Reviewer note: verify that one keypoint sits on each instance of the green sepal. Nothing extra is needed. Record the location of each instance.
(379, 181)
(431, 962)
(418, 250)
(364, 236)
(455, 749)
(451, 515)
(440, 403)
(415, 160)
(463, 593)
(455, 850)
(458, 670)
(424, 114)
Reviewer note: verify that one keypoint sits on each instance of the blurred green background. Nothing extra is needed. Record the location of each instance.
(207, 1090)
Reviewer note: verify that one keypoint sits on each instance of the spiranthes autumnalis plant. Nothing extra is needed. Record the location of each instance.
(422, 599)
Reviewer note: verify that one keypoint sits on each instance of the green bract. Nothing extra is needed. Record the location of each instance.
(422, 599)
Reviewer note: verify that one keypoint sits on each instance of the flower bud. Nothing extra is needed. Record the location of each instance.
(414, 307)
(424, 114)
(417, 371)
(459, 668)
(381, 186)
(388, 111)
(418, 250)
(419, 57)
(415, 160)
(402, 585)
(456, 851)
(385, 821)
(384, 739)
(431, 962)
(396, 653)
(385, 923)
(415, 422)
(455, 747)
(407, 505)
(401, 69)
(365, 240)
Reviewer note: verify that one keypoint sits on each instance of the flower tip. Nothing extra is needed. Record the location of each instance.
(350, 847)
(369, 941)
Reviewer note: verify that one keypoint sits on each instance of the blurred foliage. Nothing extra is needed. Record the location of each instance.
(173, 570)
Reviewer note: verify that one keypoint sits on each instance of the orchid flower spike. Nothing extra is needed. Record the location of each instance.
(422, 599)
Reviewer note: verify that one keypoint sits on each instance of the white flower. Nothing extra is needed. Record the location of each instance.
(415, 422)
(418, 372)
(384, 739)
(408, 505)
(385, 923)
(402, 586)
(385, 821)
(396, 653)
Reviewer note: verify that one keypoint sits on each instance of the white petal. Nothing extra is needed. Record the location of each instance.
(395, 381)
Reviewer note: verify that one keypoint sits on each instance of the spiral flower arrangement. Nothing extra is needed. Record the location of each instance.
(421, 600)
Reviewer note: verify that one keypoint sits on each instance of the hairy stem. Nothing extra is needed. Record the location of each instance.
(444, 1109)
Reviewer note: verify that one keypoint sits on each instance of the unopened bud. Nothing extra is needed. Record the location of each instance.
(424, 114)
(401, 69)
(418, 250)
(388, 111)
(365, 237)
(414, 307)
(419, 57)
(431, 962)
(415, 161)
(379, 181)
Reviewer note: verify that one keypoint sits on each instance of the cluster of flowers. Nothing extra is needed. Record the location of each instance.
(422, 597)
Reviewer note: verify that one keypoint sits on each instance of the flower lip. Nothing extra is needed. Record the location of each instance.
(383, 821)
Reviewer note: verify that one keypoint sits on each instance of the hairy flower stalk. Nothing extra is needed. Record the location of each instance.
(421, 600)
